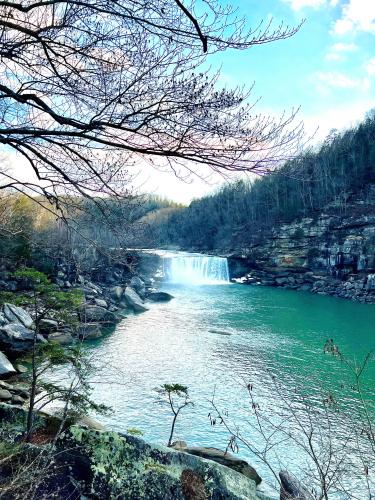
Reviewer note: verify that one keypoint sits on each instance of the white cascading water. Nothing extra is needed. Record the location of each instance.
(196, 269)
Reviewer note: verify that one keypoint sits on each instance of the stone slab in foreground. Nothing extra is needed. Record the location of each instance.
(123, 466)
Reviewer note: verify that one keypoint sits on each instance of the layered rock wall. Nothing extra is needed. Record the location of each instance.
(330, 254)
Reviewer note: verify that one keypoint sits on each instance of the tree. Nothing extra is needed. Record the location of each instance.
(92, 88)
(45, 299)
(334, 442)
(176, 396)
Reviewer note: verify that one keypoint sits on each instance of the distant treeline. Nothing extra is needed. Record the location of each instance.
(337, 177)
(332, 177)
(35, 228)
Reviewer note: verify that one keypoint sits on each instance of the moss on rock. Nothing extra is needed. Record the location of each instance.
(126, 467)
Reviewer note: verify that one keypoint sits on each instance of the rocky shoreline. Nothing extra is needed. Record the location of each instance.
(356, 288)
(328, 255)
(88, 456)
(102, 307)
(98, 464)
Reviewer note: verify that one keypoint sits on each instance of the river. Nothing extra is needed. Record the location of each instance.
(221, 337)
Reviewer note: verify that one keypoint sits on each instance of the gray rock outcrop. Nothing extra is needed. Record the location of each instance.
(292, 489)
(5, 395)
(16, 338)
(62, 338)
(223, 458)
(101, 303)
(138, 285)
(327, 255)
(47, 326)
(89, 331)
(134, 300)
(159, 297)
(6, 367)
(116, 293)
(123, 466)
(96, 314)
(16, 314)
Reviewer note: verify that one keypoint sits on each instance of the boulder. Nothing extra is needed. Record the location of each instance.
(225, 458)
(22, 390)
(3, 320)
(160, 296)
(124, 466)
(5, 385)
(370, 284)
(101, 303)
(101, 464)
(281, 281)
(47, 326)
(5, 395)
(16, 338)
(6, 367)
(90, 423)
(62, 338)
(179, 445)
(134, 300)
(16, 314)
(96, 289)
(89, 292)
(306, 287)
(17, 400)
(89, 331)
(96, 314)
(21, 368)
(138, 285)
(292, 489)
(116, 293)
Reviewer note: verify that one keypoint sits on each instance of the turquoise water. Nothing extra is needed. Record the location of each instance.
(220, 338)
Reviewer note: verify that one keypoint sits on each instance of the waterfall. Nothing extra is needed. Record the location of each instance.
(195, 269)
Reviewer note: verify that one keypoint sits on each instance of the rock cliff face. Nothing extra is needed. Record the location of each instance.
(330, 254)
(99, 464)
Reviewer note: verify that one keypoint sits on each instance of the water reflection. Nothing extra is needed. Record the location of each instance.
(260, 331)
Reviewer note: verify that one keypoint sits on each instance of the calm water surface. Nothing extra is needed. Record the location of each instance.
(215, 338)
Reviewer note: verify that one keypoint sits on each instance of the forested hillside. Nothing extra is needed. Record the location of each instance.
(338, 176)
(32, 230)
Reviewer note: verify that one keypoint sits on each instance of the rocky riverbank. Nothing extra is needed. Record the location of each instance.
(86, 460)
(358, 289)
(88, 463)
(328, 255)
(102, 304)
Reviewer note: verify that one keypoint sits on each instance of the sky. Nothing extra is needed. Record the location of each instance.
(327, 69)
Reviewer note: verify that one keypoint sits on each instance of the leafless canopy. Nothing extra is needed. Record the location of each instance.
(91, 88)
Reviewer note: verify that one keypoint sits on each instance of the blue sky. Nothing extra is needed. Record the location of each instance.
(327, 69)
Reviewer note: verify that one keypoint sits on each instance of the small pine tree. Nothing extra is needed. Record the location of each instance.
(177, 397)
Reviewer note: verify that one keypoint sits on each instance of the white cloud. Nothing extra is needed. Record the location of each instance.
(344, 47)
(315, 4)
(357, 15)
(334, 56)
(337, 52)
(339, 117)
(300, 4)
(326, 80)
(370, 66)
